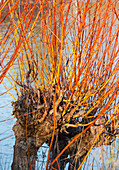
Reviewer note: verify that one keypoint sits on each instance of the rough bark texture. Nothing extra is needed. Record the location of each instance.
(33, 129)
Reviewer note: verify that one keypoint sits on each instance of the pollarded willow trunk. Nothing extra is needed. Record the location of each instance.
(35, 123)
(25, 150)
(33, 129)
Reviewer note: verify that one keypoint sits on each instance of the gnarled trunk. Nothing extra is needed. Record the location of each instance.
(34, 126)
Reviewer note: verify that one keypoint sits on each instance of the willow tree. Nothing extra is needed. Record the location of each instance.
(64, 68)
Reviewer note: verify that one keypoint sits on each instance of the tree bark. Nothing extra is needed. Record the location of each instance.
(33, 129)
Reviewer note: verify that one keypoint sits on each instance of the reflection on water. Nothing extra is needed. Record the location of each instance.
(6, 145)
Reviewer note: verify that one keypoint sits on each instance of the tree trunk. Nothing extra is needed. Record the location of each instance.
(25, 150)
(34, 129)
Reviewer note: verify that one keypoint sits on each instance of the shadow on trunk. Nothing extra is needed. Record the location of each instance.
(34, 127)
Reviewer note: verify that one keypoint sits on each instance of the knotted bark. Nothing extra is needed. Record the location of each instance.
(34, 127)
